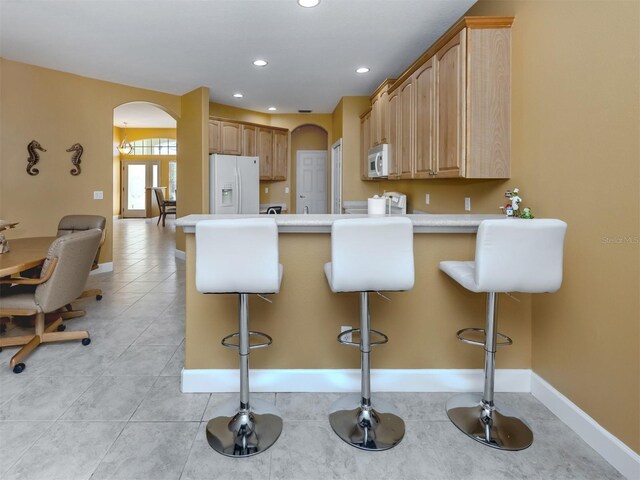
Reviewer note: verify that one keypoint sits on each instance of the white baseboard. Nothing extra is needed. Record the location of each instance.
(180, 255)
(343, 380)
(625, 460)
(102, 268)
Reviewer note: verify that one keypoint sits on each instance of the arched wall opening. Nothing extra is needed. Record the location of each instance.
(306, 137)
(141, 123)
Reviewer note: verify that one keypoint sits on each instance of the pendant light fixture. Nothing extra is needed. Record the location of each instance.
(125, 148)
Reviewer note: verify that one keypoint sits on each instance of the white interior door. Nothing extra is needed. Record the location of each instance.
(136, 178)
(336, 177)
(311, 181)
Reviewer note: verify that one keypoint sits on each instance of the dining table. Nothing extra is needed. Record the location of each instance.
(25, 253)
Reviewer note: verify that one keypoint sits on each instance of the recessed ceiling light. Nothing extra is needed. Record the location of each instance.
(238, 95)
(308, 3)
(260, 63)
(272, 109)
(362, 70)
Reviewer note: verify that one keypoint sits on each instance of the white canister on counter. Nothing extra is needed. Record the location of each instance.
(377, 205)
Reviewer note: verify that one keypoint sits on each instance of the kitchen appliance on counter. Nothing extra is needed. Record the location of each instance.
(378, 161)
(234, 184)
(397, 203)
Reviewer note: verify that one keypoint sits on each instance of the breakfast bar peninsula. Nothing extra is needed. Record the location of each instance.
(305, 318)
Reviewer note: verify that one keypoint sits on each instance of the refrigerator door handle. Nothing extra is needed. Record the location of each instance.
(239, 190)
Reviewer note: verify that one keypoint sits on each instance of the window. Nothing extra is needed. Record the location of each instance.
(154, 146)
(172, 180)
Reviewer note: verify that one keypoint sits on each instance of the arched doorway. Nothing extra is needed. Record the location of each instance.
(145, 156)
(308, 141)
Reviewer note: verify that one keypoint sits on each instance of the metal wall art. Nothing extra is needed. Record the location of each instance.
(77, 150)
(34, 157)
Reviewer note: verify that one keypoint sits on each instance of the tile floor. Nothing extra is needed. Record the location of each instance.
(114, 410)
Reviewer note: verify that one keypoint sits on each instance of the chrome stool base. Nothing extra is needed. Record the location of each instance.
(368, 428)
(499, 427)
(240, 433)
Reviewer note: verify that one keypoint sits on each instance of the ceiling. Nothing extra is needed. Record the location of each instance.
(175, 46)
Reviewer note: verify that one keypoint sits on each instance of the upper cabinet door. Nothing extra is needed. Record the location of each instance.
(451, 74)
(265, 152)
(425, 89)
(249, 136)
(214, 136)
(394, 134)
(280, 154)
(231, 138)
(407, 129)
(365, 144)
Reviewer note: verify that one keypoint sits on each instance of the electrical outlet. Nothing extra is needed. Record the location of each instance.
(98, 195)
(427, 199)
(286, 189)
(467, 204)
(346, 338)
(266, 189)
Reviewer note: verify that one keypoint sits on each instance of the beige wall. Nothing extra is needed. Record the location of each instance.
(116, 195)
(346, 117)
(240, 114)
(576, 151)
(193, 155)
(305, 137)
(58, 109)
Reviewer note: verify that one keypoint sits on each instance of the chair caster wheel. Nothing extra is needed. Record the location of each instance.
(62, 328)
(98, 297)
(86, 341)
(18, 368)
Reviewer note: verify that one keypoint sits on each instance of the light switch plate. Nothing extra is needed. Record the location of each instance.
(467, 204)
(427, 199)
(286, 189)
(266, 189)
(98, 195)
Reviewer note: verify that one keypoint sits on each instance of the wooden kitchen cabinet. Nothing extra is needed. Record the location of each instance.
(214, 136)
(449, 114)
(230, 138)
(379, 109)
(425, 120)
(225, 137)
(265, 152)
(280, 154)
(249, 140)
(365, 144)
(394, 123)
(407, 129)
(451, 107)
(270, 144)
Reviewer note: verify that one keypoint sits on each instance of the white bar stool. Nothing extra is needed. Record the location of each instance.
(512, 255)
(369, 255)
(240, 256)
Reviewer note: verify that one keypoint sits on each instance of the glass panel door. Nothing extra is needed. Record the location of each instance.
(137, 177)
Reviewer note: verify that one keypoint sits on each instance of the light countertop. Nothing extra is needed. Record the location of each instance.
(321, 223)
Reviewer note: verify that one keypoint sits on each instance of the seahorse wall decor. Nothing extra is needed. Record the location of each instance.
(34, 157)
(77, 150)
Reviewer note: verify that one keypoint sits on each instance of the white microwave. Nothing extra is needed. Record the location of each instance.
(379, 161)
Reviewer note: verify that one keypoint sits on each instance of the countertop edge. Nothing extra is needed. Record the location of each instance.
(422, 223)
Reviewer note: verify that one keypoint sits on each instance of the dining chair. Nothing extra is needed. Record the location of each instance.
(79, 223)
(167, 207)
(62, 280)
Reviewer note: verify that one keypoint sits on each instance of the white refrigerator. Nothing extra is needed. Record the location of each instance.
(234, 184)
